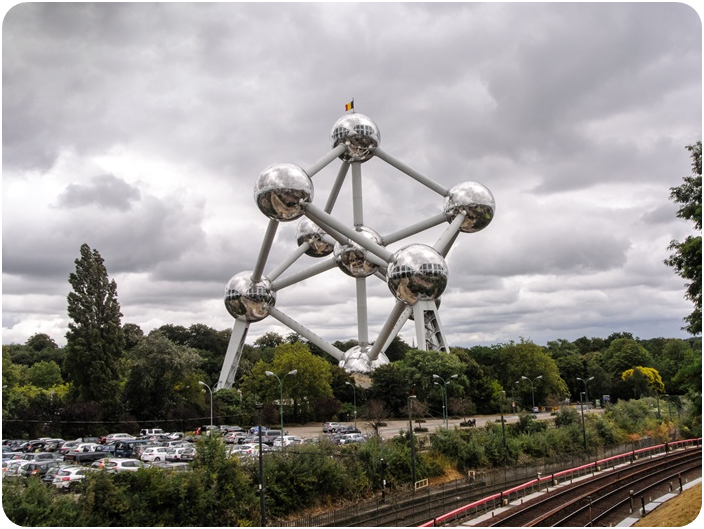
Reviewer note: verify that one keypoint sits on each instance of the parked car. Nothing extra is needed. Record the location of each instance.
(234, 437)
(40, 456)
(331, 427)
(37, 468)
(350, 438)
(114, 437)
(69, 477)
(347, 429)
(288, 440)
(248, 450)
(129, 448)
(50, 474)
(148, 432)
(9, 453)
(183, 453)
(68, 445)
(155, 453)
(118, 464)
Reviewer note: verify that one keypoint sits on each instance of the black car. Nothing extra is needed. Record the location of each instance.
(38, 468)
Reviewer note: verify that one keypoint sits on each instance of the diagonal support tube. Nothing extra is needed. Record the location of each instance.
(398, 164)
(318, 216)
(414, 229)
(306, 333)
(335, 191)
(325, 160)
(314, 270)
(444, 243)
(265, 249)
(297, 253)
(386, 330)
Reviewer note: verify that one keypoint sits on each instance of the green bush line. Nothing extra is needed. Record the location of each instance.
(223, 491)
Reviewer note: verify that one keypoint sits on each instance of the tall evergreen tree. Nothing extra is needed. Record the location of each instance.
(94, 341)
(687, 256)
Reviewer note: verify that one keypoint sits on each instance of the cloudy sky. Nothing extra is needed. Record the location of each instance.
(140, 129)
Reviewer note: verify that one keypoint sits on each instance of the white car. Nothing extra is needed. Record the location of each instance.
(67, 477)
(114, 437)
(350, 438)
(288, 440)
(182, 453)
(111, 464)
(246, 450)
(85, 447)
(155, 453)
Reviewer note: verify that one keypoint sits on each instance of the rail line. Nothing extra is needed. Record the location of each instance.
(590, 494)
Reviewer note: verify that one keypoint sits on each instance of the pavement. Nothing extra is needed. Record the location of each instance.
(393, 427)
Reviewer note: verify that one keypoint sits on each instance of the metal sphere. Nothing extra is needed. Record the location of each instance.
(308, 231)
(418, 272)
(247, 299)
(359, 133)
(356, 360)
(350, 257)
(279, 190)
(475, 201)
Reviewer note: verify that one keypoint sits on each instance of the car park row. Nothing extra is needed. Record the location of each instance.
(64, 463)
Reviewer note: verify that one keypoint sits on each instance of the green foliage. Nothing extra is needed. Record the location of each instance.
(567, 416)
(687, 256)
(94, 339)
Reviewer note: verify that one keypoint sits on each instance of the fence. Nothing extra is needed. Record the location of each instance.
(479, 486)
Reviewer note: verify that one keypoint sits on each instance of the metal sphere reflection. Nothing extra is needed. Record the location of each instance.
(279, 190)
(359, 133)
(350, 257)
(475, 201)
(308, 231)
(356, 360)
(249, 300)
(418, 272)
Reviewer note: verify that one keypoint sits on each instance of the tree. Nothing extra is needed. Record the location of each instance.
(687, 256)
(41, 341)
(643, 380)
(94, 339)
(161, 378)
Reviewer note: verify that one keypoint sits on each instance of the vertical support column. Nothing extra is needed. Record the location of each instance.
(362, 323)
(357, 200)
(429, 333)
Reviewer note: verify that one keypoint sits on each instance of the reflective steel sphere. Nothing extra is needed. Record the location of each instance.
(356, 360)
(418, 272)
(350, 257)
(359, 133)
(279, 189)
(308, 231)
(249, 300)
(475, 201)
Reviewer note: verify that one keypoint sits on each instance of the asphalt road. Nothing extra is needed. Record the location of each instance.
(393, 427)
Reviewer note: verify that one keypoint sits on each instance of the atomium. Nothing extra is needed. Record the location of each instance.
(416, 274)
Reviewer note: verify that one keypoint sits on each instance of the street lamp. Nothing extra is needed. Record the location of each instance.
(211, 401)
(281, 399)
(413, 446)
(443, 386)
(262, 502)
(532, 389)
(354, 395)
(586, 391)
(584, 428)
(503, 430)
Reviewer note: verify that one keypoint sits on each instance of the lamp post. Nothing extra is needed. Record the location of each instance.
(584, 428)
(443, 386)
(211, 401)
(586, 391)
(262, 503)
(413, 447)
(354, 395)
(503, 429)
(532, 388)
(281, 399)
(513, 395)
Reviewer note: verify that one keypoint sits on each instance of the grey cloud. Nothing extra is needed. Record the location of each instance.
(104, 191)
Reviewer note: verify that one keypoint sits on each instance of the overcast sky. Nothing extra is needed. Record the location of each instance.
(140, 129)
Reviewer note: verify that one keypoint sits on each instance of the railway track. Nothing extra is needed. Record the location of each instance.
(603, 499)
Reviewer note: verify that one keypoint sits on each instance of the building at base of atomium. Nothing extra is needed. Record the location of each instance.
(416, 275)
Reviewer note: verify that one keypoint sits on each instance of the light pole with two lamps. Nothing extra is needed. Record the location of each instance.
(281, 399)
(443, 386)
(354, 395)
(586, 391)
(532, 388)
